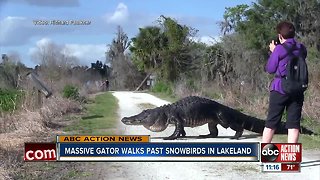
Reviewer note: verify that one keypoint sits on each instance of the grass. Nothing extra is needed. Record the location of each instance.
(101, 116)
(311, 124)
(165, 96)
(308, 142)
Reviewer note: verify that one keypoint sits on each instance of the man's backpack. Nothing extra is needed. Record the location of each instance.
(296, 80)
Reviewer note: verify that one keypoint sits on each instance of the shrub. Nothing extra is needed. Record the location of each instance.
(162, 87)
(9, 99)
(71, 92)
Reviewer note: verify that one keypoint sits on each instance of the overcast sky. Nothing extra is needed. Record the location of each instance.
(18, 33)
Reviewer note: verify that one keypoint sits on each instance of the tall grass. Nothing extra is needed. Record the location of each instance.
(162, 87)
(9, 99)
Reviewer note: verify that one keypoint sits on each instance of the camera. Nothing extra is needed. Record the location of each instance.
(276, 41)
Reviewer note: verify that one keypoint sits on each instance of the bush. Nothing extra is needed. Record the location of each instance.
(71, 92)
(9, 99)
(162, 87)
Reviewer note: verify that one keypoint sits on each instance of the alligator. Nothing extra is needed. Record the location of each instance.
(196, 111)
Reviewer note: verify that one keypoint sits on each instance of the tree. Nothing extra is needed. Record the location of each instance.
(10, 70)
(124, 75)
(163, 49)
(50, 54)
(249, 30)
(257, 22)
(176, 55)
(147, 47)
(54, 60)
(119, 45)
(232, 16)
(103, 69)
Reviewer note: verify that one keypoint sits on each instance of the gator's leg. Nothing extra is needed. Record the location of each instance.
(213, 131)
(178, 131)
(239, 130)
(182, 133)
(224, 119)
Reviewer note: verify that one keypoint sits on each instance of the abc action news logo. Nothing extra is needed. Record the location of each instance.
(40, 152)
(281, 152)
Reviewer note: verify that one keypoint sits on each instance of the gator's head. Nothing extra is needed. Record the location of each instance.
(152, 119)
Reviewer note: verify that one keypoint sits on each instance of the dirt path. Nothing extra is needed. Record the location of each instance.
(129, 105)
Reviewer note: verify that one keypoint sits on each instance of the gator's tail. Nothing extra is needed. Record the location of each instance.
(283, 130)
(304, 130)
(257, 125)
(252, 124)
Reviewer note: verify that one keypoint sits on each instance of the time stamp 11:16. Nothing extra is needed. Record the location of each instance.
(281, 167)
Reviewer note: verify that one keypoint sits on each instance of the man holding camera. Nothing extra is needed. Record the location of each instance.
(281, 54)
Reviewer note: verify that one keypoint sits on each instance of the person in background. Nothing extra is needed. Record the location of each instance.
(107, 85)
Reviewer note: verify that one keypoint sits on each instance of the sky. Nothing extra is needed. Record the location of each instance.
(20, 31)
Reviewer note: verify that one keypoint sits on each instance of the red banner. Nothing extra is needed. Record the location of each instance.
(40, 152)
(290, 167)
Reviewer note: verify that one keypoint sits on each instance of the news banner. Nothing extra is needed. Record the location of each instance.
(282, 157)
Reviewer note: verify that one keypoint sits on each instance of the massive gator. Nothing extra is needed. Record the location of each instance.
(196, 111)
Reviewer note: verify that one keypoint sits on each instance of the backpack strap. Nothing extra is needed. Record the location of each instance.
(289, 50)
